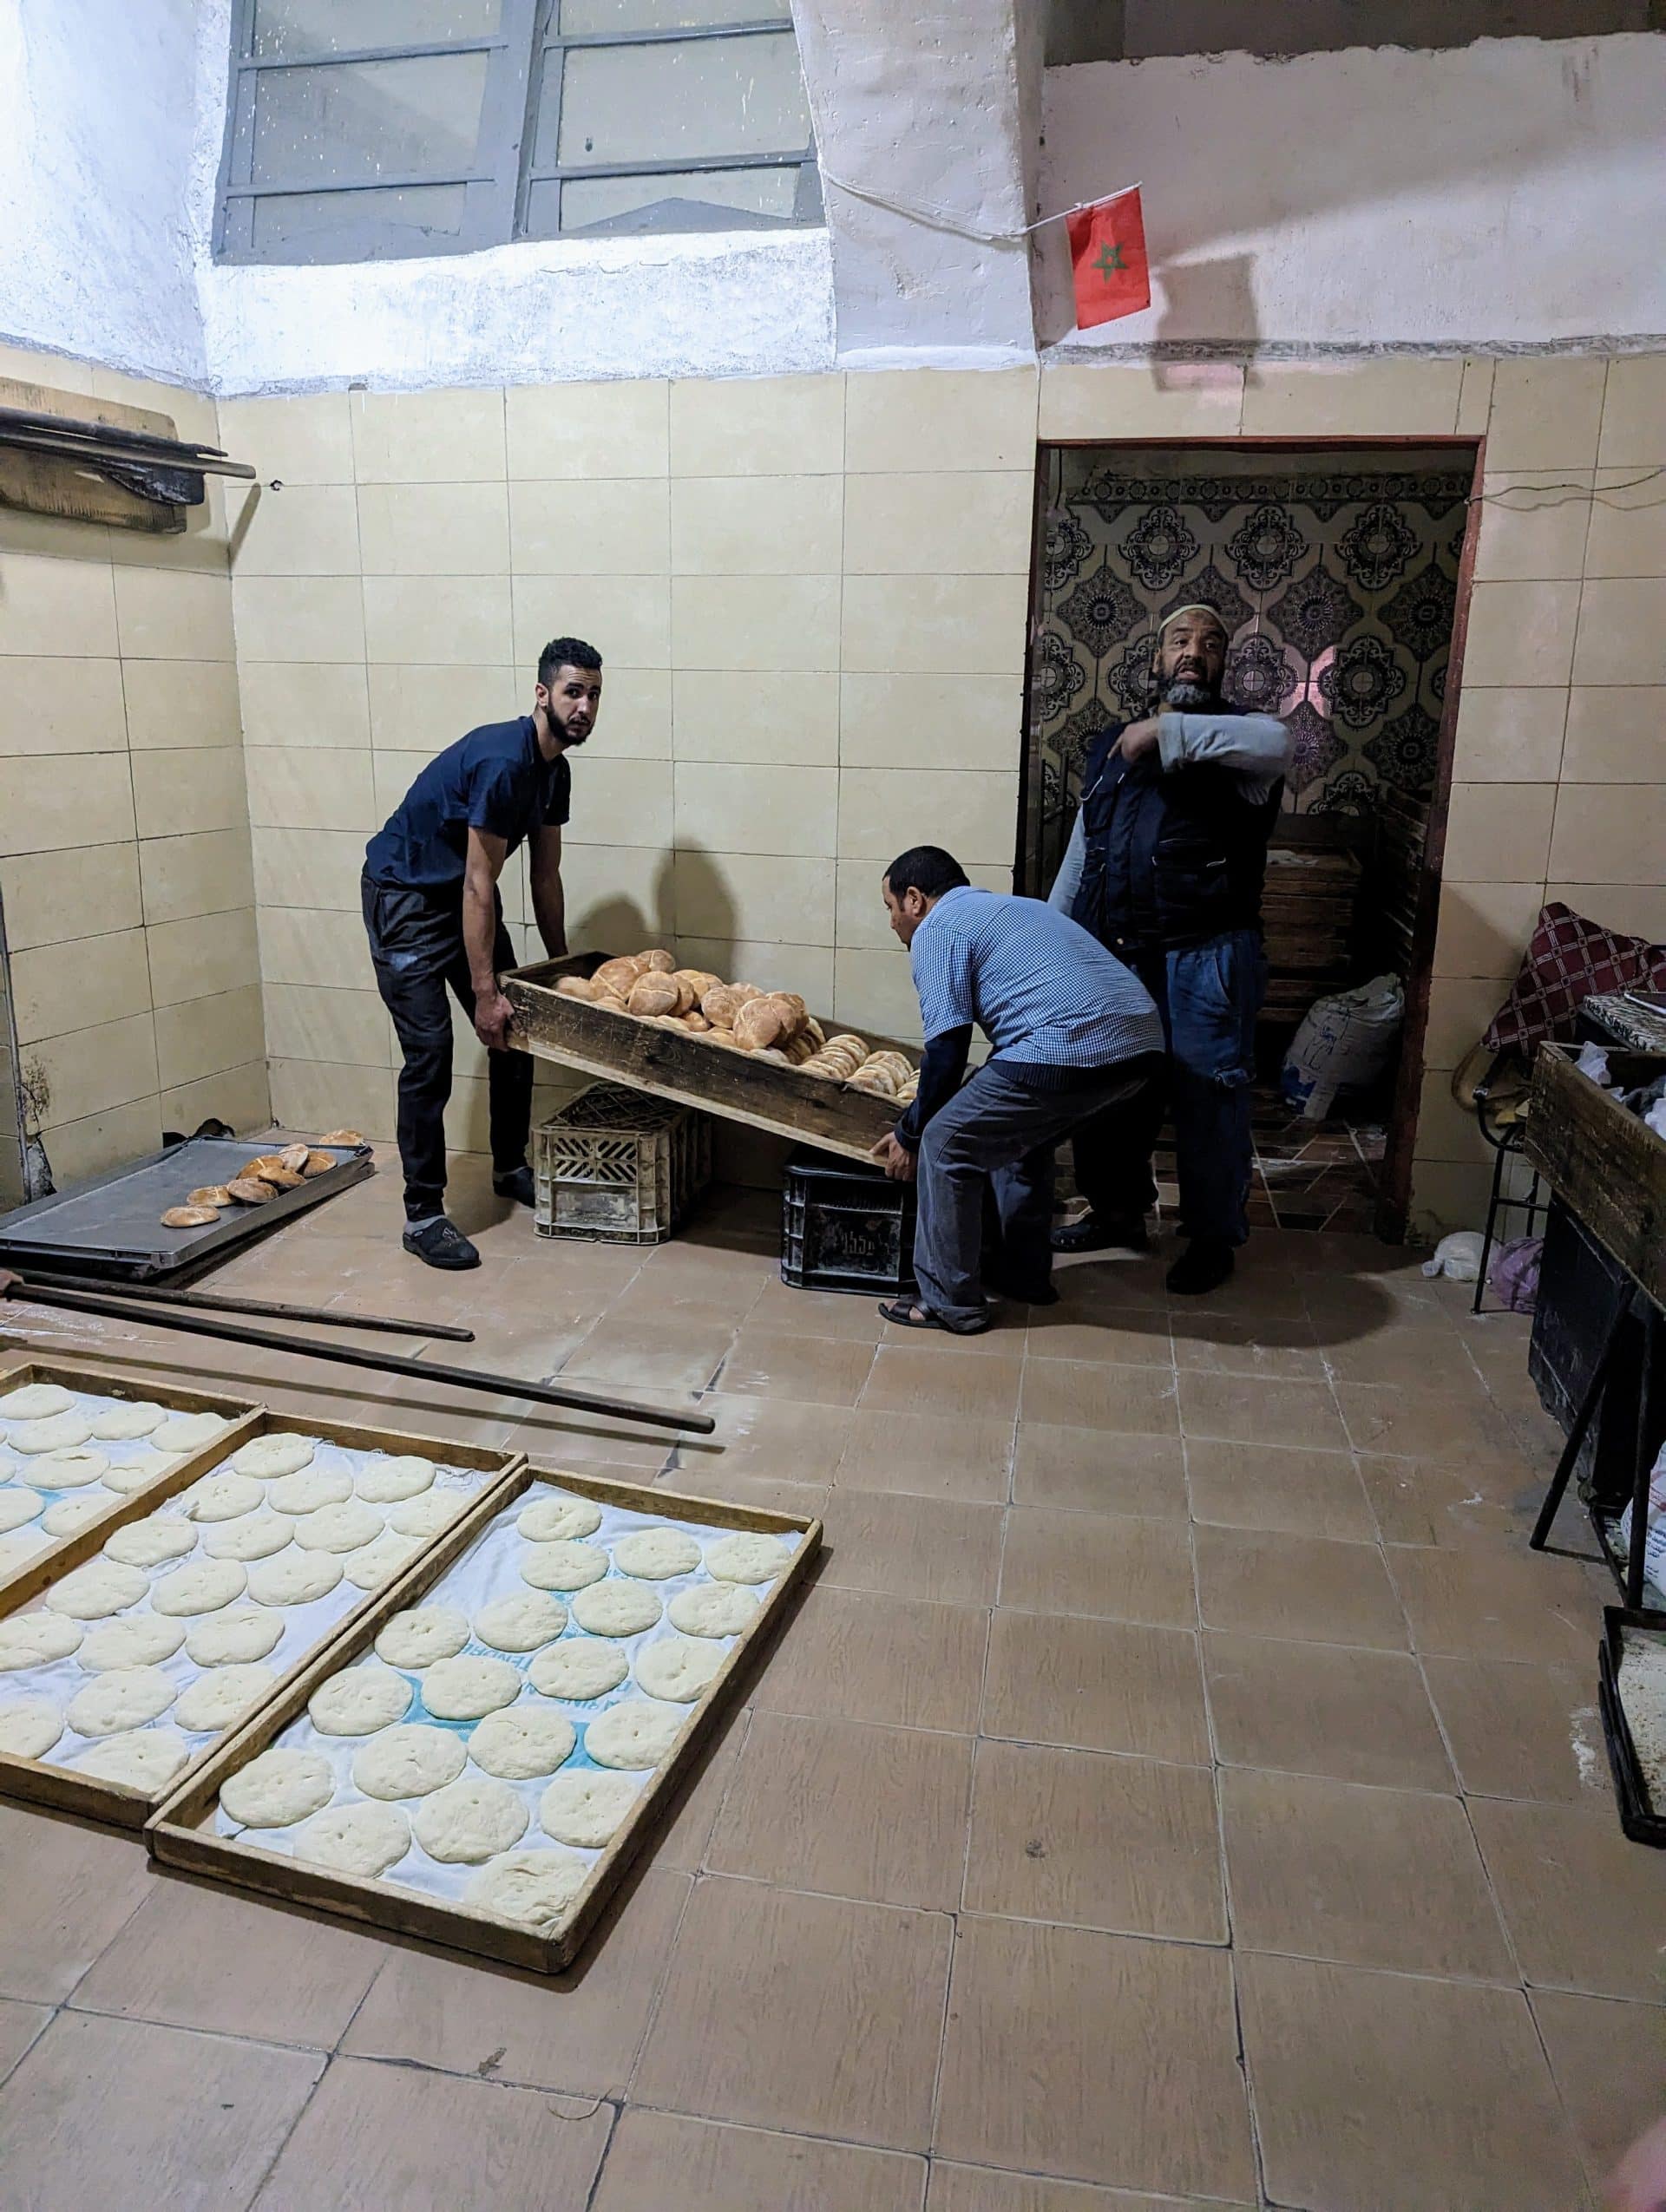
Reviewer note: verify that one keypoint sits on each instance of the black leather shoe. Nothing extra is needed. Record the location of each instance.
(1127, 1235)
(438, 1244)
(1203, 1265)
(518, 1185)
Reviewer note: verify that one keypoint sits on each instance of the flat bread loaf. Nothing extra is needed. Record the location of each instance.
(190, 1217)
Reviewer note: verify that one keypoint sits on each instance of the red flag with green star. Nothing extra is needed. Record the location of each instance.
(1107, 254)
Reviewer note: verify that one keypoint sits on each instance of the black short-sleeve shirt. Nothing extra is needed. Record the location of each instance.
(495, 779)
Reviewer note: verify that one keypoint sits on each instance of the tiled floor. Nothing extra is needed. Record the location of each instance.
(1180, 1788)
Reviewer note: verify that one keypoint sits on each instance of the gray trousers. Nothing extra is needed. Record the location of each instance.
(986, 1159)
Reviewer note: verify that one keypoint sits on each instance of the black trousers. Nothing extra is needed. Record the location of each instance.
(417, 948)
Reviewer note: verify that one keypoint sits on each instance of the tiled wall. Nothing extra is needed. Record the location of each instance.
(124, 848)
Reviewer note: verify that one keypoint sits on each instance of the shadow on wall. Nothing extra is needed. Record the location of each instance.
(691, 898)
(1204, 301)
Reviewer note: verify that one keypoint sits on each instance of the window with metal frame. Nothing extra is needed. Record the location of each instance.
(362, 130)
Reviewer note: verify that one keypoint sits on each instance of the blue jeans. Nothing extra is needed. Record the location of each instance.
(1209, 995)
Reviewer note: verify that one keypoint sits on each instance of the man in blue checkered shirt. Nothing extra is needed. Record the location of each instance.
(1072, 1033)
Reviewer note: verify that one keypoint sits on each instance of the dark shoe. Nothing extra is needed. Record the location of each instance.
(1203, 1265)
(518, 1185)
(1125, 1234)
(437, 1244)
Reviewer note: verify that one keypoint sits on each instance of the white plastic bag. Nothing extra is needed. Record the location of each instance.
(1654, 1541)
(1344, 1044)
(1458, 1257)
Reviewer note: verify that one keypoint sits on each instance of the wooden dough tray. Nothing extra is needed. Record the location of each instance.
(183, 1832)
(121, 1804)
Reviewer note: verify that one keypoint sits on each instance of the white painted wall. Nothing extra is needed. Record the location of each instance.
(97, 125)
(1509, 192)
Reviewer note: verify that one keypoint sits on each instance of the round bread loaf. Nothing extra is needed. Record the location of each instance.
(189, 1217)
(850, 1042)
(615, 975)
(653, 994)
(293, 1157)
(696, 1022)
(657, 961)
(573, 986)
(341, 1137)
(798, 1050)
(758, 1025)
(700, 980)
(317, 1163)
(609, 1002)
(773, 1055)
(249, 1190)
(208, 1194)
(282, 1178)
(259, 1164)
(687, 994)
(746, 991)
(720, 1005)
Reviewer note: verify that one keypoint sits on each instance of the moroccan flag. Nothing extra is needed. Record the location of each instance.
(1107, 256)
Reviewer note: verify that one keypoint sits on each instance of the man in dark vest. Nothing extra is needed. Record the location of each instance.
(1165, 866)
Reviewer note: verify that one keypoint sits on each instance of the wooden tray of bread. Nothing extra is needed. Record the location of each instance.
(752, 1055)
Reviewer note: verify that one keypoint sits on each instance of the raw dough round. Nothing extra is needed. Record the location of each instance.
(422, 1634)
(464, 1689)
(35, 1402)
(365, 1840)
(379, 1561)
(312, 1487)
(136, 1472)
(61, 1432)
(20, 1546)
(35, 1639)
(426, 1515)
(585, 1808)
(616, 1608)
(18, 1505)
(118, 1423)
(101, 1587)
(143, 1760)
(141, 1640)
(30, 1728)
(553, 1519)
(345, 1528)
(360, 1701)
(562, 1566)
(294, 1578)
(70, 1514)
(384, 1482)
(656, 1554)
(125, 1698)
(747, 1558)
(535, 1889)
(214, 1701)
(633, 1733)
(148, 1542)
(713, 1609)
(470, 1820)
(281, 1452)
(408, 1762)
(68, 1470)
(234, 1638)
(222, 1497)
(521, 1623)
(183, 1432)
(251, 1537)
(520, 1742)
(677, 1668)
(277, 1787)
(578, 1670)
(200, 1586)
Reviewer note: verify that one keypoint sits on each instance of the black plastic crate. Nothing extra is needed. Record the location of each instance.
(845, 1227)
(1642, 1820)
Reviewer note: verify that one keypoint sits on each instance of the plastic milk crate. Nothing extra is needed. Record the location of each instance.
(619, 1165)
(845, 1227)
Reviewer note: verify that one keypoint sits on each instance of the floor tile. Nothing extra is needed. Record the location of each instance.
(1109, 1565)
(1262, 1345)
(578, 2032)
(201, 1958)
(19, 2026)
(1267, 1486)
(1093, 1470)
(1082, 1394)
(191, 2121)
(906, 1547)
(719, 2168)
(1241, 1409)
(1460, 1432)
(681, 1841)
(1356, 1715)
(713, 1479)
(1474, 1507)
(906, 1379)
(811, 2014)
(1609, 2060)
(814, 1371)
(1125, 1338)
(1430, 1359)
(1100, 1686)
(1130, 1845)
(68, 1890)
(816, 1314)
(1301, 1588)
(980, 2189)
(1522, 1731)
(380, 2134)
(1365, 1877)
(1574, 1895)
(1031, 2006)
(649, 1356)
(1380, 2092)
(766, 1436)
(897, 1662)
(830, 1805)
(1514, 1606)
(928, 1454)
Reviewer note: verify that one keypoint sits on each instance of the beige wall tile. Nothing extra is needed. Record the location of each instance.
(1639, 909)
(193, 414)
(758, 425)
(311, 868)
(174, 703)
(49, 801)
(807, 969)
(307, 440)
(616, 525)
(305, 1022)
(204, 1036)
(199, 788)
(199, 956)
(875, 990)
(936, 418)
(86, 1148)
(1634, 412)
(883, 811)
(1484, 928)
(626, 619)
(1446, 1196)
(1475, 396)
(1617, 734)
(1511, 736)
(315, 1095)
(790, 812)
(423, 707)
(310, 790)
(606, 431)
(435, 437)
(303, 530)
(1163, 400)
(1357, 399)
(949, 625)
(1621, 631)
(1545, 413)
(86, 891)
(468, 1115)
(1609, 833)
(619, 899)
(1445, 1131)
(62, 706)
(297, 618)
(755, 621)
(315, 945)
(1628, 525)
(1520, 633)
(239, 1096)
(777, 717)
(1532, 524)
(636, 716)
(392, 775)
(1460, 1008)
(437, 617)
(24, 365)
(87, 543)
(434, 529)
(753, 896)
(204, 544)
(1497, 832)
(168, 614)
(943, 722)
(757, 526)
(620, 802)
(860, 922)
(57, 609)
(90, 1070)
(209, 872)
(304, 704)
(81, 984)
(949, 522)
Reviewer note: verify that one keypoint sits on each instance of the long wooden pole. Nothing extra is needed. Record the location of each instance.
(269, 1309)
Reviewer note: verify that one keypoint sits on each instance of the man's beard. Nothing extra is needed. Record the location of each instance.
(571, 737)
(1188, 696)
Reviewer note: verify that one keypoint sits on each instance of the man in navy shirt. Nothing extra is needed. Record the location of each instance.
(435, 922)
